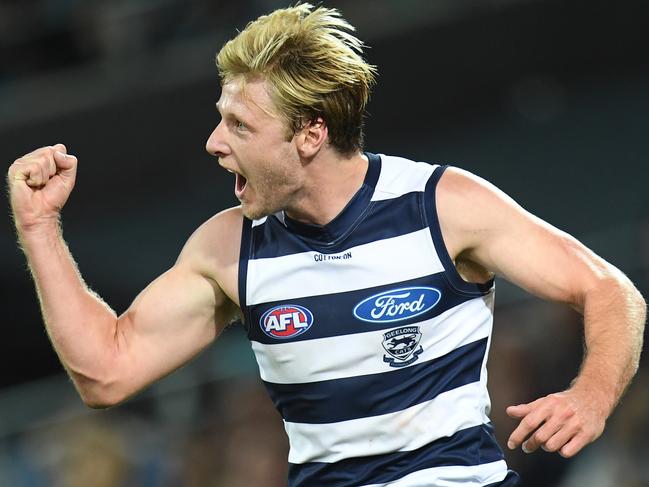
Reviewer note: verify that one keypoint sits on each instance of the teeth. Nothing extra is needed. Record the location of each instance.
(230, 171)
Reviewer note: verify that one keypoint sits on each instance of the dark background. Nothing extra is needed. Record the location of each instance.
(549, 100)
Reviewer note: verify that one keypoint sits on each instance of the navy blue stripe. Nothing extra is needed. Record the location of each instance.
(468, 447)
(244, 253)
(375, 394)
(436, 232)
(373, 169)
(333, 313)
(273, 239)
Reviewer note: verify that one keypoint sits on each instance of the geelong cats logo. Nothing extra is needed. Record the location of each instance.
(401, 345)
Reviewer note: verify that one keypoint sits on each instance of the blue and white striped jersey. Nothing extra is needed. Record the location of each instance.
(371, 345)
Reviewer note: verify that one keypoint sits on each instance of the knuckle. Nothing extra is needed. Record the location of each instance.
(47, 156)
(21, 161)
(37, 152)
(517, 437)
(37, 161)
(540, 437)
(558, 402)
(591, 435)
(528, 422)
(567, 412)
(551, 445)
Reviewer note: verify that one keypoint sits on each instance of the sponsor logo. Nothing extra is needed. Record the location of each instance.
(329, 257)
(286, 321)
(397, 304)
(401, 345)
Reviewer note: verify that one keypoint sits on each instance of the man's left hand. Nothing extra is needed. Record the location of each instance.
(564, 422)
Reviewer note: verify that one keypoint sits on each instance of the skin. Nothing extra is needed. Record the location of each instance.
(110, 358)
(301, 175)
(495, 235)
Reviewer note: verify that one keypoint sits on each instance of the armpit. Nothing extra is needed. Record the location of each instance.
(472, 272)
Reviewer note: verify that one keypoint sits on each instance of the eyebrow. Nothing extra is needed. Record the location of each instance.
(242, 117)
(233, 113)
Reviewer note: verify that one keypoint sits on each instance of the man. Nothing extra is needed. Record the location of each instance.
(365, 282)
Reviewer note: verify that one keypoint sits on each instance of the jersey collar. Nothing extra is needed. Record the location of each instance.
(344, 222)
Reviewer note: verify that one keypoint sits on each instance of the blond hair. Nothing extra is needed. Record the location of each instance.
(313, 68)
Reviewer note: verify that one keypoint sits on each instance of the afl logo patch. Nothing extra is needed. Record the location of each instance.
(286, 321)
(397, 304)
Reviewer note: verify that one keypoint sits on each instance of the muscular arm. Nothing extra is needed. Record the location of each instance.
(486, 230)
(109, 358)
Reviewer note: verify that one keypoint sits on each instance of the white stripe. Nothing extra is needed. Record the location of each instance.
(400, 176)
(455, 476)
(298, 275)
(483, 373)
(330, 358)
(261, 221)
(405, 430)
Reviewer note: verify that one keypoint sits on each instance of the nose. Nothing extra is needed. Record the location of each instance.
(216, 144)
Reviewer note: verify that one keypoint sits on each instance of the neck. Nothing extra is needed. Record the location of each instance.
(331, 181)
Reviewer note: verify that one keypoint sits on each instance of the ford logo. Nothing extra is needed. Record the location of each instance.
(397, 304)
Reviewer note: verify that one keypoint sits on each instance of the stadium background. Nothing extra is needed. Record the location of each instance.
(547, 99)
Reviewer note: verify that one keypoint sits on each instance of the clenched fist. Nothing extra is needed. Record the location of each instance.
(39, 185)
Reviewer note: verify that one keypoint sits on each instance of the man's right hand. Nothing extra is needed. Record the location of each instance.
(111, 357)
(39, 185)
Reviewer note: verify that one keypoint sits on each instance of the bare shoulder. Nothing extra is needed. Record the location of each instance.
(213, 250)
(471, 209)
(223, 229)
(461, 189)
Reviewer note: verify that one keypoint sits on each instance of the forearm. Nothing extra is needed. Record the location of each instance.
(614, 319)
(80, 325)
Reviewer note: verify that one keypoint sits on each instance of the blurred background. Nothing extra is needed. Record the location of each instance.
(547, 99)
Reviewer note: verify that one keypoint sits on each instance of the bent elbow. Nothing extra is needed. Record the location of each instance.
(94, 401)
(97, 395)
(635, 302)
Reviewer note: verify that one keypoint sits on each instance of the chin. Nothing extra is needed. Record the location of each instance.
(257, 207)
(252, 213)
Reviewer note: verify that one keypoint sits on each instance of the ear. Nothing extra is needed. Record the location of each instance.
(311, 137)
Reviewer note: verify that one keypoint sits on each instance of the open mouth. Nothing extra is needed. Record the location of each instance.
(239, 185)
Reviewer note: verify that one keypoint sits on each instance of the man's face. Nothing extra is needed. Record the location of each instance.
(251, 142)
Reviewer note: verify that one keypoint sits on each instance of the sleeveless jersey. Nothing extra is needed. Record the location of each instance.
(371, 345)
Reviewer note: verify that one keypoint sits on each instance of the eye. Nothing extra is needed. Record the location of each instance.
(240, 126)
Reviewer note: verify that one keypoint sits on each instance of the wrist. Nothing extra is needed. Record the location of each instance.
(43, 230)
(605, 398)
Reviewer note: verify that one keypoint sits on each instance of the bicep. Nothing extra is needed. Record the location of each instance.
(170, 322)
(542, 259)
(487, 227)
